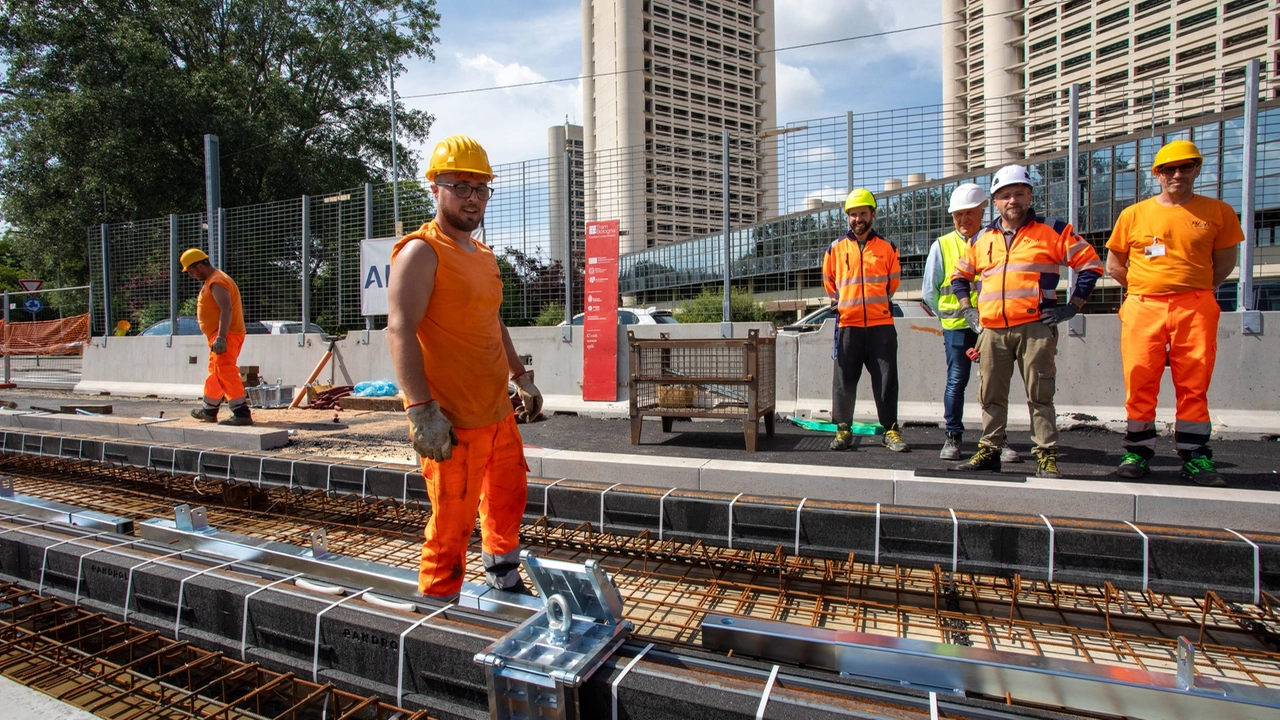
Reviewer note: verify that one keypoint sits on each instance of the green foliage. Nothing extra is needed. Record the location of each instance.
(104, 106)
(552, 314)
(709, 307)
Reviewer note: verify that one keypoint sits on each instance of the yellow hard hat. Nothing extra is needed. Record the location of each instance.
(861, 197)
(1175, 151)
(191, 257)
(459, 153)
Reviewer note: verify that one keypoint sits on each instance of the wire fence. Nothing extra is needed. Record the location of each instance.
(782, 189)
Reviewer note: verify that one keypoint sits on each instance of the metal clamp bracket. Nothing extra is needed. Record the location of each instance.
(534, 671)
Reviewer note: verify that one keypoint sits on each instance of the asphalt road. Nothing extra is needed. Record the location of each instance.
(1086, 453)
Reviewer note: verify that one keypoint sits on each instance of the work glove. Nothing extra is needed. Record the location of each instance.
(972, 317)
(432, 433)
(1054, 315)
(530, 397)
(219, 345)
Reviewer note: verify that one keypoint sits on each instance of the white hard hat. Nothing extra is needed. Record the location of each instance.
(1011, 175)
(968, 195)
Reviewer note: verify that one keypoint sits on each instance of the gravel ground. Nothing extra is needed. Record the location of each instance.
(1085, 452)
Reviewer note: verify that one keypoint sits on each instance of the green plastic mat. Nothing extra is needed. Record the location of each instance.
(830, 427)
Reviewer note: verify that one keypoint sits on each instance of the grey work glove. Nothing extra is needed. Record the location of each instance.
(432, 433)
(972, 317)
(530, 396)
(1054, 315)
(219, 345)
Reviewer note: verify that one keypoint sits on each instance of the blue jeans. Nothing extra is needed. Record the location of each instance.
(956, 343)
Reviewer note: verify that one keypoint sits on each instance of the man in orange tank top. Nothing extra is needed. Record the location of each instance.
(454, 357)
(1170, 253)
(222, 322)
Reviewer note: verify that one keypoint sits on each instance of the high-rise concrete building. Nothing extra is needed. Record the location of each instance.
(1007, 66)
(565, 141)
(662, 80)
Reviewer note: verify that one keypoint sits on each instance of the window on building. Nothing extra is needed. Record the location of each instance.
(1042, 18)
(1147, 37)
(1236, 42)
(1114, 18)
(1197, 20)
(1113, 78)
(1076, 33)
(1044, 72)
(1150, 67)
(1073, 5)
(1043, 46)
(1236, 5)
(1110, 49)
(1197, 54)
(1076, 61)
(1148, 6)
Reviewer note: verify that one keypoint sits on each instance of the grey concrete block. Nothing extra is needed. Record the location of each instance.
(51, 423)
(1240, 510)
(664, 472)
(864, 485)
(95, 426)
(1053, 498)
(533, 456)
(236, 438)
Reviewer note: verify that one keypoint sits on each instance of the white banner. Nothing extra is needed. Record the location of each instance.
(375, 271)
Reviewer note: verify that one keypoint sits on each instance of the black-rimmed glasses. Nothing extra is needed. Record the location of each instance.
(463, 190)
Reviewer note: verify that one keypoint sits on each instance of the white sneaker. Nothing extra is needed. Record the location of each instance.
(1009, 455)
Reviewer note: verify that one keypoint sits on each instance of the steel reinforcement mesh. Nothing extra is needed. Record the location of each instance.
(669, 586)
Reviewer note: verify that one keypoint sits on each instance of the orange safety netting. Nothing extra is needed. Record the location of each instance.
(66, 336)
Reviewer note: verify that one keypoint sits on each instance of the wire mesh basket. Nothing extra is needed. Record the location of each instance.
(727, 378)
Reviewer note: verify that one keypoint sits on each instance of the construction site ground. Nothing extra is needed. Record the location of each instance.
(1086, 452)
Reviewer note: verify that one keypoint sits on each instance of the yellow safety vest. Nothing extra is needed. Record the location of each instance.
(951, 247)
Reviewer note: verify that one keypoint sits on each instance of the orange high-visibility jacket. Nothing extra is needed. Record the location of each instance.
(1020, 280)
(861, 278)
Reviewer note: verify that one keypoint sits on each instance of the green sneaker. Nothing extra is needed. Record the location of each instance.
(1047, 464)
(844, 437)
(1199, 469)
(1133, 466)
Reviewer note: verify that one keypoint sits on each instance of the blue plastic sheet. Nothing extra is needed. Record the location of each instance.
(375, 388)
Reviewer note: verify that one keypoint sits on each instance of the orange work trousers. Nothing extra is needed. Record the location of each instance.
(487, 472)
(224, 373)
(1182, 327)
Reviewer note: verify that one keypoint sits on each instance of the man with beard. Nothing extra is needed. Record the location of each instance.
(861, 273)
(453, 357)
(1017, 257)
(1170, 253)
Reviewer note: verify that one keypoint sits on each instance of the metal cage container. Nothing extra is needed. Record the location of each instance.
(727, 378)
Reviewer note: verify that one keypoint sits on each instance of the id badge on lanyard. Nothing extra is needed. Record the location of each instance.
(1155, 249)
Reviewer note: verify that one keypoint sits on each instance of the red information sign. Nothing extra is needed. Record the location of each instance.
(600, 324)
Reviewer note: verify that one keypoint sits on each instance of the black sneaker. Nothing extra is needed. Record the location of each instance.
(843, 439)
(239, 416)
(518, 589)
(1047, 464)
(1199, 469)
(1133, 466)
(205, 414)
(985, 459)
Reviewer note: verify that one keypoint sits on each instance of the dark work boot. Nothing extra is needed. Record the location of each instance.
(205, 414)
(1198, 467)
(843, 439)
(987, 459)
(951, 448)
(1133, 466)
(239, 416)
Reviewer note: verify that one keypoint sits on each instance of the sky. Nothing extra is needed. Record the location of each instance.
(503, 42)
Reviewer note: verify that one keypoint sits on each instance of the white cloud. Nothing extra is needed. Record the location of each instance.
(799, 93)
(818, 155)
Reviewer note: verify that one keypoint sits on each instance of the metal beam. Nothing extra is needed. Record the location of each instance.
(960, 670)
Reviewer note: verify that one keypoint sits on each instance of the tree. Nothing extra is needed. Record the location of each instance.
(709, 307)
(105, 105)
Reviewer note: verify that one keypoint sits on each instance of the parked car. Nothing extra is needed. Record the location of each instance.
(814, 320)
(289, 327)
(188, 325)
(637, 316)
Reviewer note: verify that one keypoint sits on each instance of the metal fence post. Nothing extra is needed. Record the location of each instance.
(222, 239)
(1251, 319)
(368, 233)
(306, 269)
(726, 321)
(848, 149)
(174, 271)
(106, 283)
(566, 334)
(1075, 326)
(213, 195)
(7, 371)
